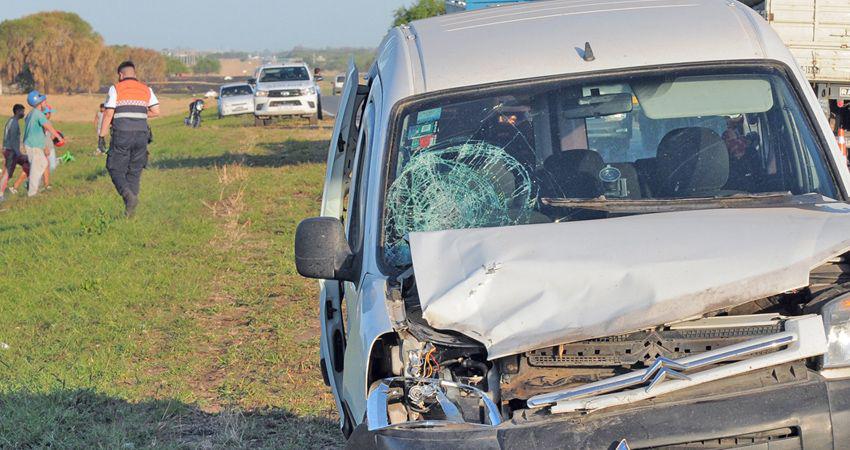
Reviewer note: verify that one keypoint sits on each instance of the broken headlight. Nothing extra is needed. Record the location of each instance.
(836, 322)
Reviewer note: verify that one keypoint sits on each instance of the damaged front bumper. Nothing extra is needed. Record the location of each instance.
(746, 400)
(446, 396)
(784, 408)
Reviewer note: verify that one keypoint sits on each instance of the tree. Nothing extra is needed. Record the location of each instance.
(174, 66)
(207, 65)
(422, 9)
(150, 64)
(51, 51)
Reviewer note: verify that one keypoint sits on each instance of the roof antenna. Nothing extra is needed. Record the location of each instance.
(588, 52)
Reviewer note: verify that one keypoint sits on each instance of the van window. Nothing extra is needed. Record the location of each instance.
(360, 181)
(533, 152)
(234, 91)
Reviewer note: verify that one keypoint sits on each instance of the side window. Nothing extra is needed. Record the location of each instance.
(360, 180)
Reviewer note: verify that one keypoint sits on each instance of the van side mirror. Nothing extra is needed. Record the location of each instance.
(322, 251)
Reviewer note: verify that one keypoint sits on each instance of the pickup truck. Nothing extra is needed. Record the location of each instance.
(286, 90)
(496, 272)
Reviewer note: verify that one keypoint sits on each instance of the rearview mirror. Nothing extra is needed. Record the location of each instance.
(322, 251)
(597, 105)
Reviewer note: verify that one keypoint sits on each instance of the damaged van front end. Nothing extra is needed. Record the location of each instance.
(584, 239)
(766, 364)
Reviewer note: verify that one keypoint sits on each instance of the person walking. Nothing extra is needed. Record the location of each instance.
(11, 147)
(50, 149)
(98, 125)
(36, 128)
(129, 105)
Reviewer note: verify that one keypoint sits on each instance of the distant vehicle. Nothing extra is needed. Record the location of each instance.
(228, 78)
(211, 94)
(235, 99)
(286, 90)
(339, 82)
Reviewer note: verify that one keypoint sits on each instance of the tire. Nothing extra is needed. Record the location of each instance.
(258, 122)
(267, 122)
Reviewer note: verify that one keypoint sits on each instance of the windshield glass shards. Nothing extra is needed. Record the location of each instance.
(292, 73)
(557, 151)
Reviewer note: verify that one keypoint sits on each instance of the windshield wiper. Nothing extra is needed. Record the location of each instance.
(639, 206)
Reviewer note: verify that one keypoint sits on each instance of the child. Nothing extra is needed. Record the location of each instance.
(12, 147)
(98, 123)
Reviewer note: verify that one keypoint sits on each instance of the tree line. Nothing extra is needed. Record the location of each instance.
(60, 52)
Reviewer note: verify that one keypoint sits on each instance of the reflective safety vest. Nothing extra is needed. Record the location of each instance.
(131, 106)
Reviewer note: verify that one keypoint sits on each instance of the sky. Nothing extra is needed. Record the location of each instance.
(226, 24)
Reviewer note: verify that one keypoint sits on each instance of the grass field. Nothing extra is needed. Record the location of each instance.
(185, 327)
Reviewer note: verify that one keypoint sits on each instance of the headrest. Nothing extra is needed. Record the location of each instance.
(691, 161)
(575, 173)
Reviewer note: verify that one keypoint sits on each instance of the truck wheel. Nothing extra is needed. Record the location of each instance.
(267, 122)
(258, 122)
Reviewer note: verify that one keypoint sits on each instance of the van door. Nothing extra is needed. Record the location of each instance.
(337, 181)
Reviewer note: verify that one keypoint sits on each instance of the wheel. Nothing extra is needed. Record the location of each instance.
(267, 122)
(258, 122)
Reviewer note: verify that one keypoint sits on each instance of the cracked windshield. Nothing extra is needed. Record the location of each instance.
(535, 153)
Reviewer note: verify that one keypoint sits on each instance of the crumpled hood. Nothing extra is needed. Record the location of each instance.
(518, 288)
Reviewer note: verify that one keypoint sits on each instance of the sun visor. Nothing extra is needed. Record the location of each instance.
(704, 96)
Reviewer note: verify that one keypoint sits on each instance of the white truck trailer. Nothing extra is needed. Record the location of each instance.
(818, 34)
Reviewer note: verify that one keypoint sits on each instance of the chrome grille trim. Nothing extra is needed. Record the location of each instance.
(803, 336)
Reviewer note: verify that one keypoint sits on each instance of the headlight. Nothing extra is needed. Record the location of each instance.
(836, 322)
(308, 91)
(262, 93)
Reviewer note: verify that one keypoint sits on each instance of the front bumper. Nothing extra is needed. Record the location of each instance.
(813, 411)
(233, 109)
(286, 106)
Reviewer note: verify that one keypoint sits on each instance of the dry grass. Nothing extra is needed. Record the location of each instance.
(83, 107)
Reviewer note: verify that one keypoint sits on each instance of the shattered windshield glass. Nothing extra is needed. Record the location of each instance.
(531, 153)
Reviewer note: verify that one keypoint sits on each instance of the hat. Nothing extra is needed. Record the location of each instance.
(34, 98)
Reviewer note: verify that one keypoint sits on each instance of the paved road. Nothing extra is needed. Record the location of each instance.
(330, 104)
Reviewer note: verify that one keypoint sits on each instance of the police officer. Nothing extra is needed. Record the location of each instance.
(129, 105)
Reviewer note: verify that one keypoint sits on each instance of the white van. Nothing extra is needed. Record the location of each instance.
(563, 225)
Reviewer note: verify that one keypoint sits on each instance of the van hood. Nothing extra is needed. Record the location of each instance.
(519, 288)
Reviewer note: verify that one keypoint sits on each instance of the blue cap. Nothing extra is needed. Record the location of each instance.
(34, 98)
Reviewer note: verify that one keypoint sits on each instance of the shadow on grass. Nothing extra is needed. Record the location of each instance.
(85, 419)
(287, 153)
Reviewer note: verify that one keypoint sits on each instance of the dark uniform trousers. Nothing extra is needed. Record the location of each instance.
(128, 155)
